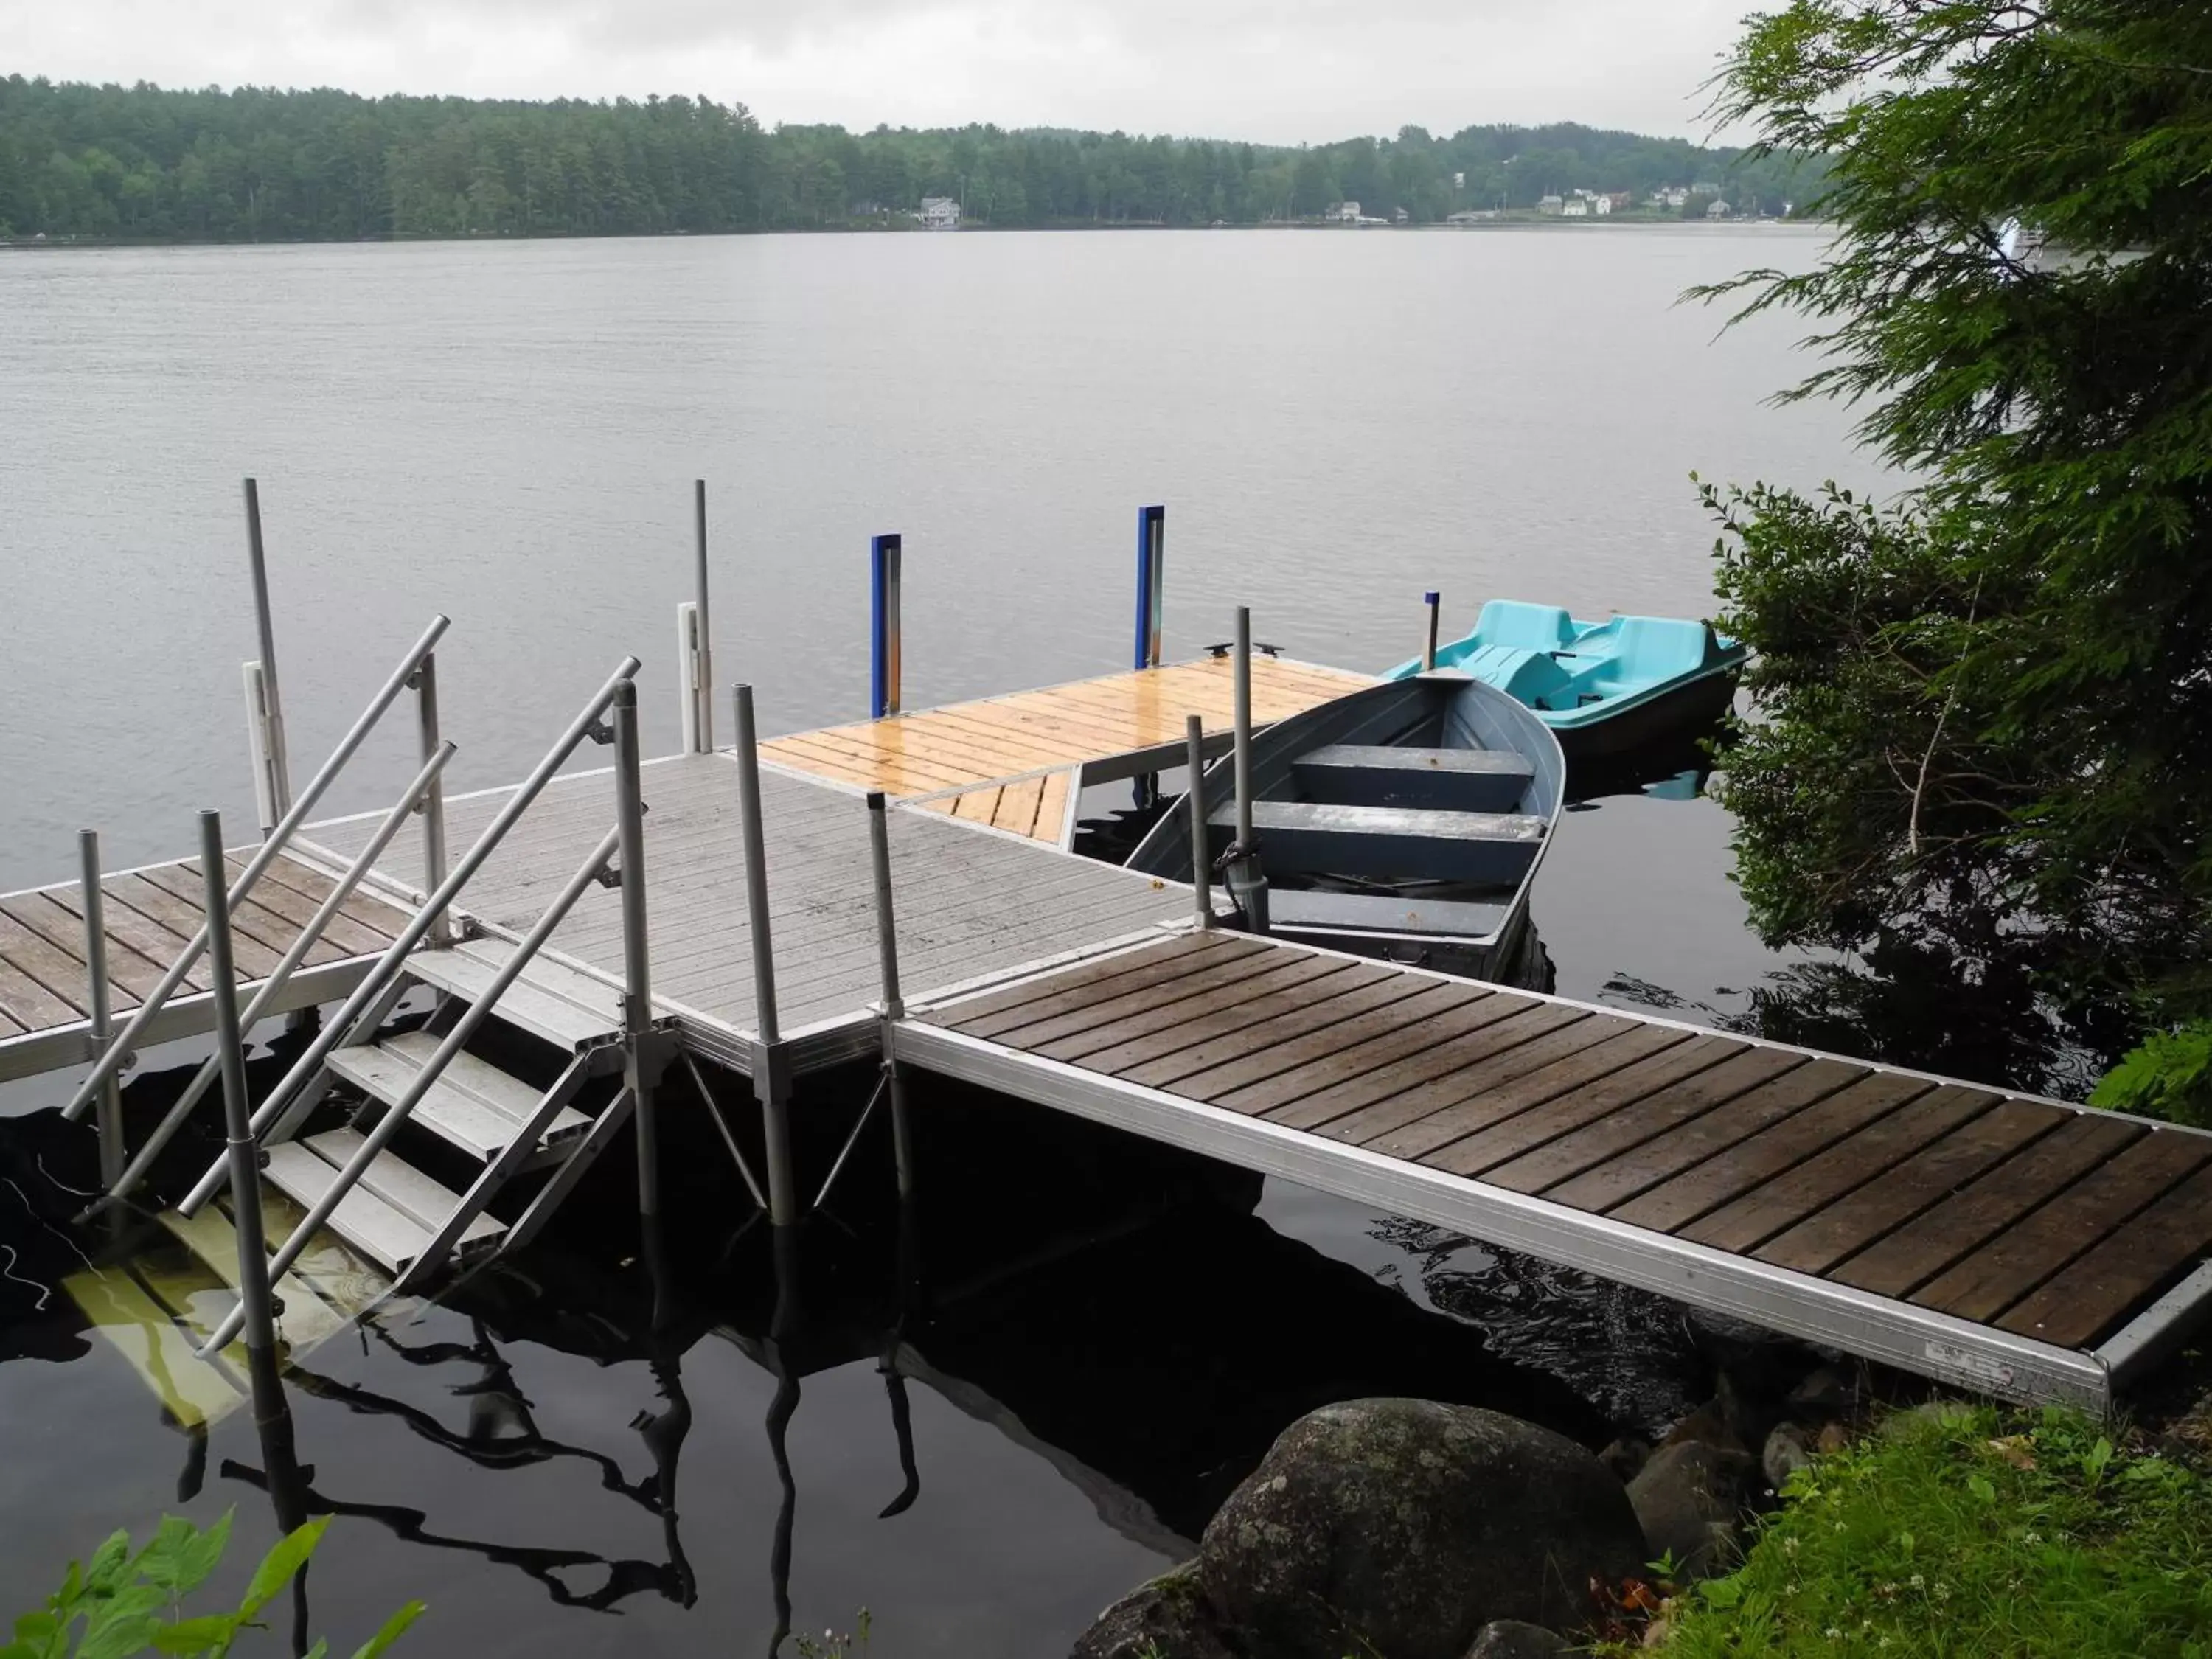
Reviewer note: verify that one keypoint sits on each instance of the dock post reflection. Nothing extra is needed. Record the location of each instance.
(663, 1431)
(782, 1324)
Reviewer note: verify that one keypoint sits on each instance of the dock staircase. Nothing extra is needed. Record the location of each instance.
(518, 1065)
(491, 1123)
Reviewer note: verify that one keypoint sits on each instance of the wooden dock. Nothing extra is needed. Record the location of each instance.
(1017, 762)
(2002, 1243)
(2026, 1247)
(149, 915)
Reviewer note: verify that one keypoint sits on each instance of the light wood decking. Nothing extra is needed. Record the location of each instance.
(1031, 748)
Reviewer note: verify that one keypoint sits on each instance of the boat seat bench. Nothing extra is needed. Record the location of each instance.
(1450, 780)
(1304, 909)
(1492, 848)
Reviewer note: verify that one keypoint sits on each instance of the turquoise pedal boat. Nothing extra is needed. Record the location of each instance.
(1603, 688)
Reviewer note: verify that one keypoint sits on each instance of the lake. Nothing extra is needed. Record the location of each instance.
(508, 434)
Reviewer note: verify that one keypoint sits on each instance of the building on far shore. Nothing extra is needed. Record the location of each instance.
(1718, 209)
(1552, 204)
(1341, 213)
(1574, 206)
(939, 213)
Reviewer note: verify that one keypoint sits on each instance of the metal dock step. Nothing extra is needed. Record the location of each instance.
(306, 1319)
(391, 1215)
(473, 1104)
(1450, 780)
(571, 1010)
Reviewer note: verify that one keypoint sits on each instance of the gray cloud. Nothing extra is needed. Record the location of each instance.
(1272, 70)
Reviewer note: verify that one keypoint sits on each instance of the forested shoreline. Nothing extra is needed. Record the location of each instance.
(146, 163)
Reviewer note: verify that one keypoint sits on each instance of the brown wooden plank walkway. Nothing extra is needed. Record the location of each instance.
(149, 915)
(1965, 1232)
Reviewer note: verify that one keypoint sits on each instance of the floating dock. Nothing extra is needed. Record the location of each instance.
(1019, 763)
(760, 907)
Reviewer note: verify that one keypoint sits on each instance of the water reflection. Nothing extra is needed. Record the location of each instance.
(1134, 1330)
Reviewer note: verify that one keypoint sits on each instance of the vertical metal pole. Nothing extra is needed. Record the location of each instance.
(1429, 651)
(432, 806)
(771, 1081)
(705, 695)
(879, 853)
(280, 767)
(883, 654)
(237, 1111)
(1152, 582)
(879, 850)
(1201, 849)
(109, 1111)
(637, 971)
(1255, 884)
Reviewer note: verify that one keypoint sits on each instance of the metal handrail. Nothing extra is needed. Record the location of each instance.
(381, 973)
(127, 1182)
(374, 1142)
(111, 1062)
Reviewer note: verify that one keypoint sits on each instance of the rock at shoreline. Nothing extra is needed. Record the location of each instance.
(1787, 1450)
(1409, 1526)
(1166, 1616)
(1689, 1498)
(1516, 1638)
(1624, 1456)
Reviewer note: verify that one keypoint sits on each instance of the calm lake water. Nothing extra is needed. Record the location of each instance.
(508, 434)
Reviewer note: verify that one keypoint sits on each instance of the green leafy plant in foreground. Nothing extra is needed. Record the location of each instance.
(121, 1603)
(1975, 1534)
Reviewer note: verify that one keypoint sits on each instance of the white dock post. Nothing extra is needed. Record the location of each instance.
(637, 968)
(771, 1061)
(273, 769)
(702, 662)
(108, 1114)
(1254, 882)
(238, 1127)
(266, 789)
(432, 806)
(686, 675)
(879, 849)
(1201, 849)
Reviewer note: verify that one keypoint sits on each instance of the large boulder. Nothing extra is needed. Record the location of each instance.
(1403, 1527)
(1166, 1616)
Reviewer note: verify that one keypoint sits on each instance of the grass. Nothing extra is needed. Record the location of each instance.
(1978, 1534)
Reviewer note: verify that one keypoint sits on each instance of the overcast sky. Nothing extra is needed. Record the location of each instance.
(1270, 70)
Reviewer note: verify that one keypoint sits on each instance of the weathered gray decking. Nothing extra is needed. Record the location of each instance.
(972, 904)
(148, 916)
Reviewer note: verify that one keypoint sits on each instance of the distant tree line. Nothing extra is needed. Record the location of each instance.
(147, 162)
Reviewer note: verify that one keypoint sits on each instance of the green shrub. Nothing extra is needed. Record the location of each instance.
(120, 1603)
(1973, 1534)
